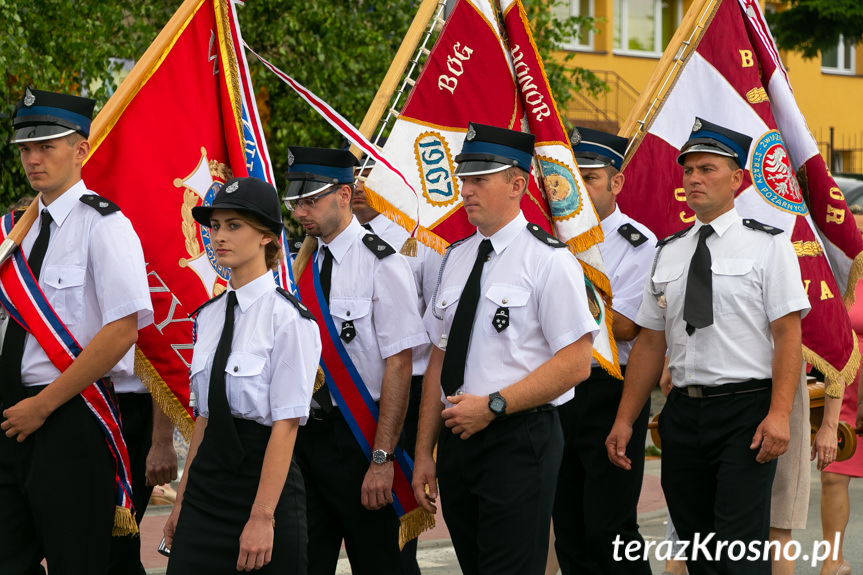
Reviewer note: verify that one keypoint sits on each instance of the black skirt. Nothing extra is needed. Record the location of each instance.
(217, 503)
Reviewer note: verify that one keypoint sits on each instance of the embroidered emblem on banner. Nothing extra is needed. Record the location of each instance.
(560, 187)
(201, 187)
(773, 176)
(435, 164)
(593, 301)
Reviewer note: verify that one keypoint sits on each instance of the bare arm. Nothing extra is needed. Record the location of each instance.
(773, 434)
(623, 328)
(563, 371)
(643, 370)
(826, 442)
(256, 541)
(161, 467)
(99, 356)
(428, 429)
(395, 390)
(197, 436)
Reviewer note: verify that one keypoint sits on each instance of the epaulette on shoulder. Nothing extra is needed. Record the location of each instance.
(379, 247)
(673, 237)
(461, 241)
(206, 303)
(544, 236)
(632, 234)
(100, 204)
(301, 307)
(756, 225)
(294, 245)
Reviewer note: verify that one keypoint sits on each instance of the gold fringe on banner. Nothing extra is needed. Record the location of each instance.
(320, 379)
(613, 369)
(124, 523)
(597, 278)
(835, 380)
(162, 394)
(854, 275)
(427, 237)
(414, 523)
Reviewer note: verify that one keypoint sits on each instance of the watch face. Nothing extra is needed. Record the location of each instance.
(497, 404)
(379, 456)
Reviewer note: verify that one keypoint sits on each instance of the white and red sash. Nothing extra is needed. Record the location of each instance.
(23, 299)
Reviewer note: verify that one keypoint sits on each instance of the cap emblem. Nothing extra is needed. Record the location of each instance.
(575, 138)
(29, 98)
(291, 158)
(232, 188)
(696, 127)
(471, 134)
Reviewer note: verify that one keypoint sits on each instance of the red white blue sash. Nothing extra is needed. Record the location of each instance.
(356, 404)
(23, 299)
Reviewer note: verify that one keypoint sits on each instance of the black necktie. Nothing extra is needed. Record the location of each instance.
(322, 395)
(698, 302)
(368, 226)
(221, 422)
(11, 390)
(452, 370)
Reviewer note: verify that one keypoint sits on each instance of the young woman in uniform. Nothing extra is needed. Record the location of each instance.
(241, 502)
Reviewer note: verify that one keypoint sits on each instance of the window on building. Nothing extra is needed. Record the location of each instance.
(839, 60)
(645, 26)
(581, 39)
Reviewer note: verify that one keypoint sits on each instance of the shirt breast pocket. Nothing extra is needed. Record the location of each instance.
(358, 311)
(666, 281)
(505, 311)
(735, 289)
(65, 291)
(247, 387)
(199, 380)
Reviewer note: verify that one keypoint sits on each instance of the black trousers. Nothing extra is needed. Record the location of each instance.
(217, 504)
(136, 409)
(57, 495)
(334, 467)
(712, 483)
(408, 442)
(596, 501)
(497, 492)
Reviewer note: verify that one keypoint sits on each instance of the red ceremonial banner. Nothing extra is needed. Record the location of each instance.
(730, 74)
(164, 143)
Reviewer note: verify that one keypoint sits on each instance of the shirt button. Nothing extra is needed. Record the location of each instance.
(504, 300)
(348, 314)
(236, 369)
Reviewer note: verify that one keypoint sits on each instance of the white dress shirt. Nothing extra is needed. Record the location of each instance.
(274, 357)
(93, 274)
(543, 289)
(379, 296)
(425, 267)
(756, 280)
(628, 267)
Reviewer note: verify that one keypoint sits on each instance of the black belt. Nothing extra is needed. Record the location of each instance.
(537, 409)
(700, 391)
(318, 414)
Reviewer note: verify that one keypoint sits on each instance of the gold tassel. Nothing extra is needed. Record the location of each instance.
(835, 380)
(320, 380)
(124, 523)
(409, 248)
(414, 523)
(162, 395)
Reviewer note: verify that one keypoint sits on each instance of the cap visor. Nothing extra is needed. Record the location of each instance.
(588, 163)
(478, 168)
(707, 148)
(303, 188)
(38, 133)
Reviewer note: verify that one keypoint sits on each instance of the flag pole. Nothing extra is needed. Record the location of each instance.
(397, 68)
(682, 44)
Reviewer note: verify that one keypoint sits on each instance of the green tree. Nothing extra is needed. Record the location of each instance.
(813, 26)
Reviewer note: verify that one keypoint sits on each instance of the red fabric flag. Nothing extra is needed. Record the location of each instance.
(732, 75)
(166, 142)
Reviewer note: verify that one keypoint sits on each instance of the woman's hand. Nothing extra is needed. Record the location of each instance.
(256, 541)
(826, 444)
(171, 525)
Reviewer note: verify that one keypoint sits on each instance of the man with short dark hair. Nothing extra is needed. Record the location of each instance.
(61, 486)
(597, 502)
(367, 299)
(512, 334)
(725, 299)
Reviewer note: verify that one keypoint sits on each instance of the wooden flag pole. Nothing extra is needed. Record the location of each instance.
(19, 230)
(397, 69)
(683, 42)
